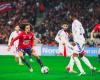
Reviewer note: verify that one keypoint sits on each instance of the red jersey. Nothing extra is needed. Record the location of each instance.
(97, 28)
(25, 40)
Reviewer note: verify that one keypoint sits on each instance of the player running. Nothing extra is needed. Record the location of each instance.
(63, 40)
(15, 46)
(96, 29)
(79, 41)
(26, 44)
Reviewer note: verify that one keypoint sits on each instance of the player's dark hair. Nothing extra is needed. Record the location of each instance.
(22, 26)
(16, 24)
(64, 22)
(73, 15)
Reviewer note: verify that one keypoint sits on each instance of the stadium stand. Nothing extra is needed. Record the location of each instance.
(53, 12)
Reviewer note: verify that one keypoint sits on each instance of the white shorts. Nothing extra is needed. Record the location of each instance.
(79, 47)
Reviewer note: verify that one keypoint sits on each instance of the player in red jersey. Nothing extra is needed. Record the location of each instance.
(26, 44)
(96, 29)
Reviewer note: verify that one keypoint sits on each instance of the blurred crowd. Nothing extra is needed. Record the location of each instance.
(23, 11)
(55, 12)
(60, 10)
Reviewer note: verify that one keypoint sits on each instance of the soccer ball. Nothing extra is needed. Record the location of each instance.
(44, 70)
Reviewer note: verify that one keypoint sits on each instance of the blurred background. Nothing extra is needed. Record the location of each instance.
(46, 17)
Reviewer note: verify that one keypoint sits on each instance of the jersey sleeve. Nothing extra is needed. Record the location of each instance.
(82, 30)
(16, 38)
(10, 38)
(75, 32)
(57, 38)
(95, 28)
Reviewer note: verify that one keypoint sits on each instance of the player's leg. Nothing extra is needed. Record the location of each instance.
(15, 54)
(99, 57)
(37, 58)
(85, 60)
(98, 71)
(20, 61)
(30, 55)
(70, 65)
(17, 58)
(61, 50)
(71, 62)
(24, 61)
(75, 57)
(82, 55)
(80, 48)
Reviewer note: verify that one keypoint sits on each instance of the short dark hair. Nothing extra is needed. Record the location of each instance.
(64, 22)
(73, 15)
(22, 26)
(17, 24)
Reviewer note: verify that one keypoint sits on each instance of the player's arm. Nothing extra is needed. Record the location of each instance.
(92, 33)
(57, 38)
(12, 42)
(32, 40)
(10, 38)
(37, 39)
(75, 32)
(82, 30)
(92, 38)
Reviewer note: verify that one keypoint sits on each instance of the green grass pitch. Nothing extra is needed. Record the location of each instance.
(10, 70)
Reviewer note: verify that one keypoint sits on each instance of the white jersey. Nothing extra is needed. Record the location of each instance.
(78, 35)
(12, 36)
(78, 31)
(62, 37)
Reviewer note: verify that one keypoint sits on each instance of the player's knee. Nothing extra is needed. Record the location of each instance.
(34, 53)
(20, 54)
(73, 43)
(75, 55)
(81, 55)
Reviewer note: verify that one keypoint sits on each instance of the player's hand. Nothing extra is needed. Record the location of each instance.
(63, 43)
(92, 39)
(73, 43)
(38, 40)
(9, 47)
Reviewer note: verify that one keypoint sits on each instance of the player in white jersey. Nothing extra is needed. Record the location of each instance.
(79, 40)
(63, 40)
(15, 46)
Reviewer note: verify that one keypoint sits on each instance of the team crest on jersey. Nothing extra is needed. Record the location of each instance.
(30, 37)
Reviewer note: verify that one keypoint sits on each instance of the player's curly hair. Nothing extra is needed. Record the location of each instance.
(22, 26)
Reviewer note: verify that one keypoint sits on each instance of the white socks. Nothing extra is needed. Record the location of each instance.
(19, 59)
(86, 61)
(71, 63)
(78, 64)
